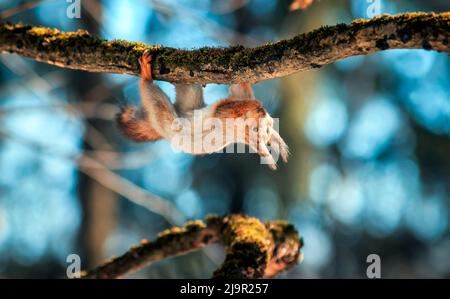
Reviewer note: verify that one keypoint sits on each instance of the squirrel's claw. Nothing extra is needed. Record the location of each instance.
(268, 143)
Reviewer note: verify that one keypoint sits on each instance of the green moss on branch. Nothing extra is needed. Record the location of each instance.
(79, 50)
(257, 250)
(249, 248)
(254, 249)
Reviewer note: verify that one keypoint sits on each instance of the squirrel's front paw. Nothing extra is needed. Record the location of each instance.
(266, 141)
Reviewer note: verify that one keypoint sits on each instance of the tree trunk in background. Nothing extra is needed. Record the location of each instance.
(98, 203)
(297, 97)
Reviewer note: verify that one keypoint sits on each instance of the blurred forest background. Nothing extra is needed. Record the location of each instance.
(369, 136)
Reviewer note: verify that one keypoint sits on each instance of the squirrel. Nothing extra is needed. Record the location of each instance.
(157, 118)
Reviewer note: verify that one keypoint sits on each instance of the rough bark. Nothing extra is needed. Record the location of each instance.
(254, 249)
(257, 250)
(80, 50)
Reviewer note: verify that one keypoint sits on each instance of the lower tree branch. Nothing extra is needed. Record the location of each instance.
(254, 249)
(79, 50)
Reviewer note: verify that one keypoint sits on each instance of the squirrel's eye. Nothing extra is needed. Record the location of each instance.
(255, 129)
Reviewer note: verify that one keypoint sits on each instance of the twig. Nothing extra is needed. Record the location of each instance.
(129, 190)
(42, 87)
(254, 250)
(80, 50)
(99, 172)
(19, 8)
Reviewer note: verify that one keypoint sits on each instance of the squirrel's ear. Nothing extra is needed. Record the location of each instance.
(134, 125)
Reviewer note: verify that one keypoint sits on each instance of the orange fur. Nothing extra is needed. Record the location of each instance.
(145, 63)
(232, 108)
(134, 125)
(238, 108)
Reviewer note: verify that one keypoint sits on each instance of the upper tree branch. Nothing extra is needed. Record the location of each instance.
(254, 249)
(79, 50)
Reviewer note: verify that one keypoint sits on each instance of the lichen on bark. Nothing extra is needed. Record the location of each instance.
(249, 248)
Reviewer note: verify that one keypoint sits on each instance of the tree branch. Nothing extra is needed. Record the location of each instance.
(79, 50)
(254, 250)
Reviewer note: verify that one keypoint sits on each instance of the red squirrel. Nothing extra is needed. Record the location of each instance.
(157, 118)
